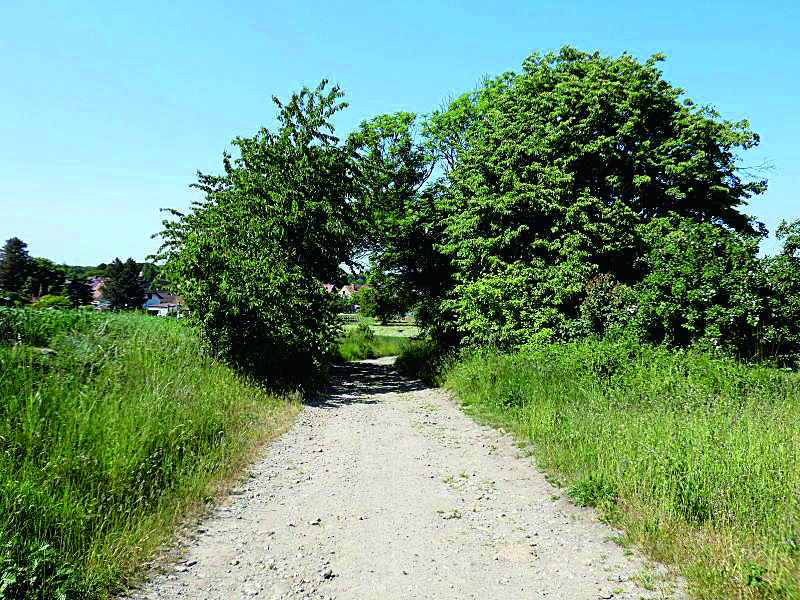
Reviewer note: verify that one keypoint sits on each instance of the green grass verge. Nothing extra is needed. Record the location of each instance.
(695, 456)
(108, 438)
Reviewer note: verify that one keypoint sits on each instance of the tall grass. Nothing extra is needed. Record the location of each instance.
(106, 439)
(696, 456)
(425, 361)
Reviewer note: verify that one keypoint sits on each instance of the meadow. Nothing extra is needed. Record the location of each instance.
(362, 337)
(694, 455)
(113, 427)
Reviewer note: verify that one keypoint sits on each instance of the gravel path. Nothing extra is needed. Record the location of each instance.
(386, 490)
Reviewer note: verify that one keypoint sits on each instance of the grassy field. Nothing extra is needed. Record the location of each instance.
(364, 338)
(694, 456)
(112, 429)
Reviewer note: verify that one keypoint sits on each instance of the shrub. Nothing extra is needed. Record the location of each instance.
(705, 283)
(251, 257)
(52, 301)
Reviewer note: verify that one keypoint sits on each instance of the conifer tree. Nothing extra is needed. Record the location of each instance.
(78, 292)
(14, 262)
(125, 290)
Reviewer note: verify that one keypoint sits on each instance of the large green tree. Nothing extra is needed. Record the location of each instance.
(558, 166)
(78, 292)
(14, 262)
(397, 156)
(251, 258)
(45, 277)
(124, 290)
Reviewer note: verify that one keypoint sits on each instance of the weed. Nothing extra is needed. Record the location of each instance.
(755, 575)
(553, 480)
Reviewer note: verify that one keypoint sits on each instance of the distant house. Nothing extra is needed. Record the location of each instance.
(166, 309)
(347, 291)
(96, 284)
(162, 303)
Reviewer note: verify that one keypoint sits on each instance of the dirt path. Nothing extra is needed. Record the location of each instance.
(386, 490)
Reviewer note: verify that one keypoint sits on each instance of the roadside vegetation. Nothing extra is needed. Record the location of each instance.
(693, 454)
(112, 428)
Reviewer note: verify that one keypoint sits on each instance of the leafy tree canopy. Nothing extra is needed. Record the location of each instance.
(251, 258)
(557, 166)
(383, 302)
(397, 155)
(45, 277)
(150, 272)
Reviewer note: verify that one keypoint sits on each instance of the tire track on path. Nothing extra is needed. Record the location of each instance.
(384, 489)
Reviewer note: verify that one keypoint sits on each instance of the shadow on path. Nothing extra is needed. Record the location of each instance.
(359, 382)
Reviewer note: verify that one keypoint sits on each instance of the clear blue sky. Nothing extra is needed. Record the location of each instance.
(108, 109)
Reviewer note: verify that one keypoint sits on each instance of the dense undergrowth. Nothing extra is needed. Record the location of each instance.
(693, 454)
(111, 428)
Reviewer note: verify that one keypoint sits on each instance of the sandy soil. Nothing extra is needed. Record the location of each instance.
(385, 489)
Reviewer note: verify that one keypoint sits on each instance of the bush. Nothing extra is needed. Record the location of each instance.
(250, 259)
(607, 306)
(52, 301)
(783, 276)
(704, 282)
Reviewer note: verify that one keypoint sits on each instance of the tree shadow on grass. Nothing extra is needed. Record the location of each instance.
(360, 382)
